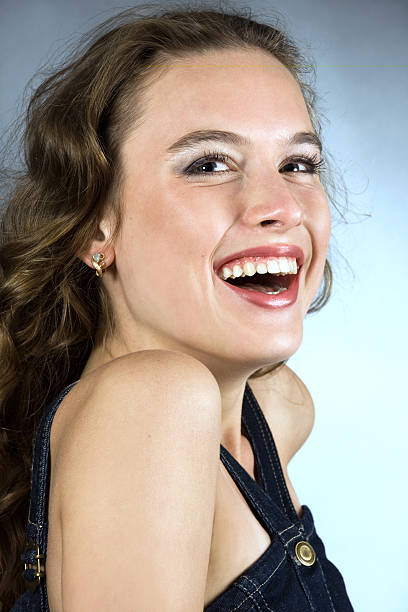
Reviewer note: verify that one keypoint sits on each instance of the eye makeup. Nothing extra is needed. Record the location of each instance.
(312, 162)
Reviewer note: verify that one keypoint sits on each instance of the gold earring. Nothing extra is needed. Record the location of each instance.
(98, 262)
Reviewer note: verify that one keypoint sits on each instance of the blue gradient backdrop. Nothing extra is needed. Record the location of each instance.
(352, 471)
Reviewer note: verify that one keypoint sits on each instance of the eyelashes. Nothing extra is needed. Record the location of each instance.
(313, 162)
(208, 158)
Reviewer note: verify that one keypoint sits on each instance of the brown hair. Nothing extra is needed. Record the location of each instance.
(52, 308)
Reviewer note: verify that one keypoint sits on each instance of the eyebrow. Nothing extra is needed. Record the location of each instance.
(192, 139)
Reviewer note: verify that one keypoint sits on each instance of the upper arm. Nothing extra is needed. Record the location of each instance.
(288, 408)
(137, 480)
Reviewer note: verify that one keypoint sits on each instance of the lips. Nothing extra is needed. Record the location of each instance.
(272, 250)
(264, 300)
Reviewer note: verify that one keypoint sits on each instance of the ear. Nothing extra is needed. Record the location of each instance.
(100, 244)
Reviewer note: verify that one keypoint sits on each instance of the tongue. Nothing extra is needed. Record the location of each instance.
(264, 289)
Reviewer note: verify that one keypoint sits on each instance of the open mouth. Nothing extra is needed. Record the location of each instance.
(265, 276)
(272, 284)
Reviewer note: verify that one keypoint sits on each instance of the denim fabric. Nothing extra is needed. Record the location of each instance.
(35, 598)
(276, 582)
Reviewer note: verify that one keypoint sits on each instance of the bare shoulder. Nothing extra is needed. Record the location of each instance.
(140, 381)
(135, 470)
(154, 368)
(292, 387)
(288, 407)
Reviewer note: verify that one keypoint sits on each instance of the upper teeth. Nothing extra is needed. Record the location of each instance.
(275, 265)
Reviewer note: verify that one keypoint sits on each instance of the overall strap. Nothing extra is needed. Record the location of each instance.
(37, 526)
(266, 454)
(269, 513)
(293, 538)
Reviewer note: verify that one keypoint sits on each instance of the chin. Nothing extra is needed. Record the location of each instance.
(284, 344)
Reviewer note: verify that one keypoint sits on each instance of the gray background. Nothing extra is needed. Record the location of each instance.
(352, 470)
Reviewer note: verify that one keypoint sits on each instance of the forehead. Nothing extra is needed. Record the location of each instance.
(229, 89)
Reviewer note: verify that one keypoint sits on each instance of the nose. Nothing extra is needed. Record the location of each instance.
(274, 202)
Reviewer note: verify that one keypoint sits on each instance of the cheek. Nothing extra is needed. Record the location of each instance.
(325, 225)
(319, 223)
(166, 234)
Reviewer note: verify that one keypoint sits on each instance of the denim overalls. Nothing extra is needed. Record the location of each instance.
(292, 575)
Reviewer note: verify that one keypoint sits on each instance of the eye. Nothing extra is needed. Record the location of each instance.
(305, 165)
(205, 164)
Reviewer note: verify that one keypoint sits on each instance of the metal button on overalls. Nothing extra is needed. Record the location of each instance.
(305, 553)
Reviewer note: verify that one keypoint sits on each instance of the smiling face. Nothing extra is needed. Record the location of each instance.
(180, 217)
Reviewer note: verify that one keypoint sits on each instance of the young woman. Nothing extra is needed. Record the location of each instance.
(159, 256)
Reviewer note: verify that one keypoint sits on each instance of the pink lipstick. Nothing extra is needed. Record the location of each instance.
(266, 300)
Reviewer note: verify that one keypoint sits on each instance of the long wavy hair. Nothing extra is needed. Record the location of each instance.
(53, 311)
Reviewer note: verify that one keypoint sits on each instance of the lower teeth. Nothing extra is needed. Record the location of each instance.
(268, 290)
(280, 290)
